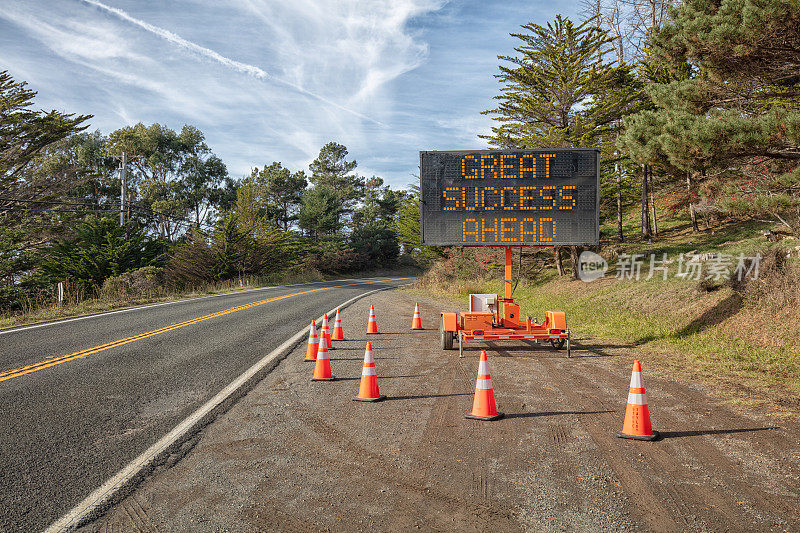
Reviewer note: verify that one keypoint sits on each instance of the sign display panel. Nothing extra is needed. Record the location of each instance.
(510, 197)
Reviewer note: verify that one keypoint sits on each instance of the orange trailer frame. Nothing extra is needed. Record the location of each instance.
(503, 322)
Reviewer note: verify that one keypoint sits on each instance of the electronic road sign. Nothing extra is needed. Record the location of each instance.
(510, 197)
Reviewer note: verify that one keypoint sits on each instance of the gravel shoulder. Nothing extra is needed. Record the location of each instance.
(296, 455)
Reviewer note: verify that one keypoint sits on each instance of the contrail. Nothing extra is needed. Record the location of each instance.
(231, 63)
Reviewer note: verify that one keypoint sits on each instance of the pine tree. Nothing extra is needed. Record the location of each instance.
(737, 115)
(560, 92)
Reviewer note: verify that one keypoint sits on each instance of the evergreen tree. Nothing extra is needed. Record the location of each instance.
(285, 191)
(331, 169)
(24, 131)
(321, 212)
(560, 92)
(737, 115)
(31, 142)
(99, 249)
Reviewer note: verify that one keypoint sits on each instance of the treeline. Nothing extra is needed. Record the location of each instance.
(182, 220)
(696, 101)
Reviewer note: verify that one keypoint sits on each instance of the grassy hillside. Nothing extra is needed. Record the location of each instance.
(741, 336)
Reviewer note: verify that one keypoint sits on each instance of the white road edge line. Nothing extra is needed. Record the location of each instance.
(100, 497)
(139, 307)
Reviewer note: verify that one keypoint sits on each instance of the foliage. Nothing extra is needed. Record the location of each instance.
(735, 118)
(378, 243)
(559, 91)
(407, 228)
(174, 175)
(100, 248)
(321, 212)
(139, 283)
(23, 131)
(228, 252)
(272, 194)
(332, 170)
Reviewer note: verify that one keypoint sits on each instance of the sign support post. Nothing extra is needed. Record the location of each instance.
(509, 286)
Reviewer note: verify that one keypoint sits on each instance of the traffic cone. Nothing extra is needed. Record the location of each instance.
(338, 333)
(416, 322)
(483, 407)
(372, 325)
(368, 392)
(322, 370)
(637, 415)
(324, 331)
(313, 345)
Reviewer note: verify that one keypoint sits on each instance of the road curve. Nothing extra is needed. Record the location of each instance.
(81, 398)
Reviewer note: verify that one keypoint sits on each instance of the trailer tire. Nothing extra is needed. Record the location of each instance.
(558, 344)
(446, 337)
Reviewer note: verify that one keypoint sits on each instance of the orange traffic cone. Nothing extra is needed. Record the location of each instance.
(324, 331)
(313, 345)
(368, 392)
(372, 325)
(416, 322)
(483, 407)
(338, 333)
(322, 370)
(637, 415)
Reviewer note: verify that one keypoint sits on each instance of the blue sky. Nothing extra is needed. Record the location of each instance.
(275, 80)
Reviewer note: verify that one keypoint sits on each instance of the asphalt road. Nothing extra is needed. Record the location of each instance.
(69, 423)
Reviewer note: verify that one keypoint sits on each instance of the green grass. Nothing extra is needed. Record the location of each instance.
(719, 336)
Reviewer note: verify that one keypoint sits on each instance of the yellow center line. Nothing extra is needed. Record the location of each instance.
(57, 360)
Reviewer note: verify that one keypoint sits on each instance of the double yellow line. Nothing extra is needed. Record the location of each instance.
(57, 360)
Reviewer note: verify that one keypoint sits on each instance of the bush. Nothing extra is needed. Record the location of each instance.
(377, 243)
(144, 282)
(337, 261)
(230, 252)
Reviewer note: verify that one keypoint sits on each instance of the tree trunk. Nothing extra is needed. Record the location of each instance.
(653, 209)
(574, 258)
(692, 214)
(646, 233)
(619, 202)
(559, 263)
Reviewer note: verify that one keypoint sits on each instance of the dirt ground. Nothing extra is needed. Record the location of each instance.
(296, 455)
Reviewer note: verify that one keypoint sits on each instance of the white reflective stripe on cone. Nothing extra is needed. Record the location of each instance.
(637, 399)
(483, 368)
(483, 383)
(636, 380)
(368, 357)
(368, 371)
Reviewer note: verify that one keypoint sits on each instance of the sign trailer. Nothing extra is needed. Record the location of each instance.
(508, 198)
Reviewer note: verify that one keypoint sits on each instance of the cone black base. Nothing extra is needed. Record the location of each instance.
(498, 416)
(378, 399)
(654, 436)
(323, 379)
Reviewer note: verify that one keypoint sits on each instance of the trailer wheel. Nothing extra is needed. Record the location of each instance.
(558, 343)
(446, 337)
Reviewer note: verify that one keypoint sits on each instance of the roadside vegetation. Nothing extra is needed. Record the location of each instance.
(181, 224)
(696, 108)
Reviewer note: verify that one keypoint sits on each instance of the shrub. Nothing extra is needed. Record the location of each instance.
(141, 283)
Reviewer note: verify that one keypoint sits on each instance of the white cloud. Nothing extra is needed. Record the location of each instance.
(349, 47)
(272, 80)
